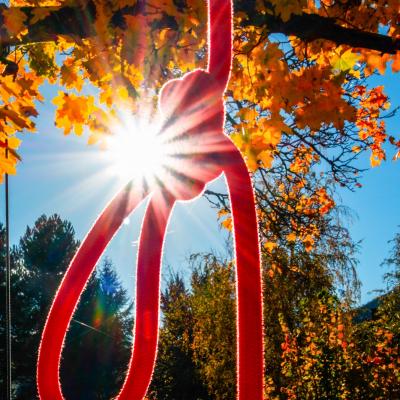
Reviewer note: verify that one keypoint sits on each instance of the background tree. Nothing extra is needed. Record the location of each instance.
(176, 375)
(197, 353)
(390, 304)
(98, 343)
(45, 251)
(377, 338)
(309, 289)
(16, 284)
(97, 348)
(314, 348)
(214, 342)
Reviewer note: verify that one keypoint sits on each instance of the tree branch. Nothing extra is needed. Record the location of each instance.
(309, 27)
(78, 21)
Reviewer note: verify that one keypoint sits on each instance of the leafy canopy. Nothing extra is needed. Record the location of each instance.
(299, 82)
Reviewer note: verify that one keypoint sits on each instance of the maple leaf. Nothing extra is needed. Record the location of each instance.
(225, 219)
(14, 21)
(375, 61)
(13, 117)
(346, 61)
(7, 166)
(134, 75)
(266, 157)
(69, 76)
(40, 13)
(396, 62)
(285, 8)
(13, 143)
(73, 111)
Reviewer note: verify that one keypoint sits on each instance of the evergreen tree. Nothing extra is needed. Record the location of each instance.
(97, 346)
(390, 305)
(45, 251)
(14, 258)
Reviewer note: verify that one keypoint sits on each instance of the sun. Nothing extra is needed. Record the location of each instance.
(135, 149)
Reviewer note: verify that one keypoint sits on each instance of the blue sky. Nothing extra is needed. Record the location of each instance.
(63, 175)
(376, 206)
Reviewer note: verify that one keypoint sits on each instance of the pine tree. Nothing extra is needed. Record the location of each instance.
(97, 346)
(45, 251)
(98, 342)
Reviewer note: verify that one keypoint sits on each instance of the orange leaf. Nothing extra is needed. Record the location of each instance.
(14, 21)
(40, 13)
(291, 237)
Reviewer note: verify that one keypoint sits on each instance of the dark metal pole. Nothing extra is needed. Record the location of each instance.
(8, 290)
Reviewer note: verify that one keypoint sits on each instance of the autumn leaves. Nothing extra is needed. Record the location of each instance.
(280, 88)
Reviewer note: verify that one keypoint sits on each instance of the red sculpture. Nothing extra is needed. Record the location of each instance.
(193, 111)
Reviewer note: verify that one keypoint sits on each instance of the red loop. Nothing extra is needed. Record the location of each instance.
(197, 104)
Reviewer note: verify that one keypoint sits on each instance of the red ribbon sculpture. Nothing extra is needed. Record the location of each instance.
(193, 112)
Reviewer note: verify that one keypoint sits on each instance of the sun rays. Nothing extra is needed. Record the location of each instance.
(135, 149)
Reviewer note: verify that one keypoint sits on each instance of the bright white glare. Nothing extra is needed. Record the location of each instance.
(135, 149)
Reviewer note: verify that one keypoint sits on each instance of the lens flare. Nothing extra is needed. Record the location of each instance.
(168, 152)
(135, 149)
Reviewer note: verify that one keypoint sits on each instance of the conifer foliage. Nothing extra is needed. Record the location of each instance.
(97, 346)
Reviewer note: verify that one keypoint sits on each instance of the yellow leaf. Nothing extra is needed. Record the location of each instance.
(285, 8)
(78, 129)
(7, 166)
(375, 161)
(222, 213)
(64, 43)
(13, 142)
(376, 60)
(135, 76)
(346, 61)
(106, 96)
(194, 20)
(163, 37)
(270, 246)
(251, 160)
(267, 158)
(308, 243)
(73, 111)
(93, 138)
(70, 78)
(122, 93)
